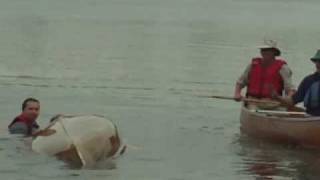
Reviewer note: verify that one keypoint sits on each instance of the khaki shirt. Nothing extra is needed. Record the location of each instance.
(285, 73)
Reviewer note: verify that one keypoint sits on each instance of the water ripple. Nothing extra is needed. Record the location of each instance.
(76, 86)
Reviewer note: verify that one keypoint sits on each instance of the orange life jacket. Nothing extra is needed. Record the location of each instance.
(262, 80)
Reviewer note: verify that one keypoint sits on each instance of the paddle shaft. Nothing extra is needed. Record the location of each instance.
(246, 99)
(292, 108)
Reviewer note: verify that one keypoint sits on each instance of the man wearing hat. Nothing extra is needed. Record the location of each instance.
(265, 75)
(308, 91)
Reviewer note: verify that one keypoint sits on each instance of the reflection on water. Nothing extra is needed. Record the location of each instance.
(264, 160)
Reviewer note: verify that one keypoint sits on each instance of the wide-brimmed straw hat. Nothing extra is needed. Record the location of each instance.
(316, 57)
(270, 44)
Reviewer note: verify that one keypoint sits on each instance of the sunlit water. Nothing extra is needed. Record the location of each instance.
(143, 63)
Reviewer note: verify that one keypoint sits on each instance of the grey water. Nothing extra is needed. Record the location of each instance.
(144, 64)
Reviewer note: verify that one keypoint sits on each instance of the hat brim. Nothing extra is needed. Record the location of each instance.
(315, 59)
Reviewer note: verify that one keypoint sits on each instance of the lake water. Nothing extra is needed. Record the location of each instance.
(143, 64)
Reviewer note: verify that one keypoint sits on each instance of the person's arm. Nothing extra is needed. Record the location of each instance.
(286, 75)
(237, 92)
(302, 90)
(297, 97)
(44, 132)
(241, 83)
(285, 101)
(36, 133)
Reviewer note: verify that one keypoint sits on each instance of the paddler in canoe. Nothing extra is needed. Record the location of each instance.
(264, 75)
(308, 91)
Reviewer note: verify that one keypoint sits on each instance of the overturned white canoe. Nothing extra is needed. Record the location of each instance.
(81, 140)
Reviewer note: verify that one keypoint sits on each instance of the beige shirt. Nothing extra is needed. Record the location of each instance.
(285, 73)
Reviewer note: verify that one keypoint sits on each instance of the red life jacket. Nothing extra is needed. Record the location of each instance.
(262, 80)
(23, 119)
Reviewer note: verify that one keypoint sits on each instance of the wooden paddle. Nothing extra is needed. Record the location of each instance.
(262, 101)
(244, 99)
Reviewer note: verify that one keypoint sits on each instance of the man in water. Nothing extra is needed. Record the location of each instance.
(265, 74)
(26, 123)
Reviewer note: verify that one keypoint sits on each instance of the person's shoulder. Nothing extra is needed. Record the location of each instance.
(256, 59)
(18, 128)
(285, 67)
(281, 62)
(311, 78)
(16, 119)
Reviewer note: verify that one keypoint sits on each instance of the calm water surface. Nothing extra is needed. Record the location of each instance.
(143, 63)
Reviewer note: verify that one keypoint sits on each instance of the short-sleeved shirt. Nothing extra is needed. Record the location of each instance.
(285, 73)
(302, 91)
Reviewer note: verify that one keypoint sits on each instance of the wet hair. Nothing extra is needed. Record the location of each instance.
(25, 102)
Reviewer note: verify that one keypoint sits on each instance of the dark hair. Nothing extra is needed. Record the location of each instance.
(24, 104)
